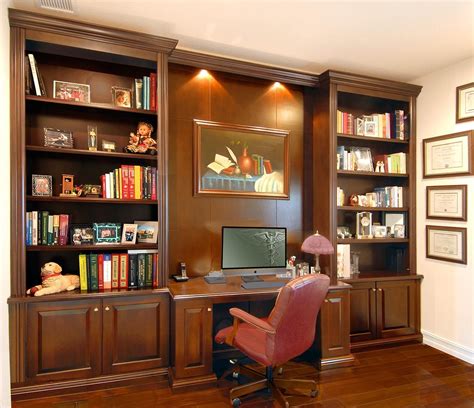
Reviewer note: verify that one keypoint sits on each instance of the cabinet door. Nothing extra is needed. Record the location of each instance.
(63, 340)
(363, 311)
(396, 308)
(136, 333)
(192, 338)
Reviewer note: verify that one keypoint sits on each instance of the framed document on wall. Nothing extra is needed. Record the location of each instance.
(449, 155)
(446, 244)
(465, 103)
(446, 202)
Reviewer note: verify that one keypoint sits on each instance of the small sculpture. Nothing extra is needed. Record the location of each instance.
(142, 142)
(53, 281)
(354, 200)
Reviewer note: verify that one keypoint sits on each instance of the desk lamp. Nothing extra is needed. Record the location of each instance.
(318, 245)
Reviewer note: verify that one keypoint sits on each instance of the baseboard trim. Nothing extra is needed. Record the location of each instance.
(450, 347)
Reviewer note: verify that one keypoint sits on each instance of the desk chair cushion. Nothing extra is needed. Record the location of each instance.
(293, 320)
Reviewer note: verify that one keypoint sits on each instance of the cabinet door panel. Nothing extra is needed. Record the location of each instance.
(135, 333)
(363, 312)
(396, 308)
(63, 340)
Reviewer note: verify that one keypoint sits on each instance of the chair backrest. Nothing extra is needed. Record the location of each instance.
(294, 317)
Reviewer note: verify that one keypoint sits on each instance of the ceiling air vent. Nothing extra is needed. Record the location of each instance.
(64, 6)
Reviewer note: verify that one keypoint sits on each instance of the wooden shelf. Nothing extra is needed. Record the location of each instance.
(385, 209)
(80, 152)
(92, 105)
(90, 200)
(372, 139)
(372, 241)
(369, 173)
(381, 275)
(79, 248)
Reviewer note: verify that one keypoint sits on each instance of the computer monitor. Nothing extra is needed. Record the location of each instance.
(253, 250)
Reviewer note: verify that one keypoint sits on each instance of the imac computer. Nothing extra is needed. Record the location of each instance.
(253, 250)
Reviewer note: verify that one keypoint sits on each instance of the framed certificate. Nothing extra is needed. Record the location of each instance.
(446, 202)
(465, 103)
(446, 244)
(449, 155)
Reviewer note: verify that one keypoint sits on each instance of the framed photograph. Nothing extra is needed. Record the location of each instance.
(82, 234)
(107, 233)
(449, 155)
(238, 160)
(70, 91)
(147, 231)
(446, 202)
(129, 233)
(399, 231)
(122, 97)
(108, 146)
(92, 138)
(465, 103)
(446, 244)
(390, 219)
(363, 159)
(41, 185)
(379, 231)
(58, 138)
(343, 232)
(359, 122)
(370, 128)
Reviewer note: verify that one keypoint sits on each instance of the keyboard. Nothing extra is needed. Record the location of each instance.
(263, 285)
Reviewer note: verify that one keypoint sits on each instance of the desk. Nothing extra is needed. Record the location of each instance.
(192, 339)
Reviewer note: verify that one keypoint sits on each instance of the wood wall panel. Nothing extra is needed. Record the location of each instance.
(195, 222)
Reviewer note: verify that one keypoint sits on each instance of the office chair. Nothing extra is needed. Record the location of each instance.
(286, 333)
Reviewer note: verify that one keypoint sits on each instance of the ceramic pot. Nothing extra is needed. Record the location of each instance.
(245, 162)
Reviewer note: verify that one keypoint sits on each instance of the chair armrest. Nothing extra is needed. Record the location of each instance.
(252, 320)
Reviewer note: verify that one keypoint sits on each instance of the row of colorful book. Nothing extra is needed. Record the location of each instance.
(381, 197)
(392, 163)
(144, 90)
(389, 125)
(134, 269)
(129, 183)
(34, 82)
(360, 158)
(43, 228)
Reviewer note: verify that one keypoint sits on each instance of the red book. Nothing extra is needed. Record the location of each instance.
(123, 271)
(153, 91)
(102, 180)
(268, 166)
(63, 229)
(100, 270)
(131, 182)
(155, 270)
(125, 190)
(153, 183)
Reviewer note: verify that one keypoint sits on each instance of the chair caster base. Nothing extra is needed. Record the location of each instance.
(236, 402)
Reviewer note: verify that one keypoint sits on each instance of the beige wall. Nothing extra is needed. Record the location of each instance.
(447, 297)
(4, 204)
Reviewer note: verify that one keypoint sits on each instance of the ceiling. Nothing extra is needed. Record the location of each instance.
(400, 40)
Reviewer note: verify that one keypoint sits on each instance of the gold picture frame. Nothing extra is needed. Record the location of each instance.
(465, 103)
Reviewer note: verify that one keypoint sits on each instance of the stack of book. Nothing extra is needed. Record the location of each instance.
(45, 229)
(134, 269)
(130, 183)
(34, 82)
(144, 90)
(340, 197)
(345, 123)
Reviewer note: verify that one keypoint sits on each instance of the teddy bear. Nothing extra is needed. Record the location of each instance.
(53, 281)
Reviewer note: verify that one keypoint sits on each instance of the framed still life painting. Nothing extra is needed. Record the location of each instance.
(238, 160)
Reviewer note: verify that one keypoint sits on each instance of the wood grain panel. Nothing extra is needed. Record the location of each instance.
(363, 311)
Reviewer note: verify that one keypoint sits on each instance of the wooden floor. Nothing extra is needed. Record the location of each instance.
(411, 376)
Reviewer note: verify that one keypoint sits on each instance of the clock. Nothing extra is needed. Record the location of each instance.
(364, 224)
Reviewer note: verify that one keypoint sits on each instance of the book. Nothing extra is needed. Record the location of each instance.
(343, 261)
(63, 229)
(34, 73)
(149, 270)
(28, 78)
(155, 270)
(44, 227)
(34, 233)
(115, 271)
(220, 163)
(141, 270)
(137, 183)
(153, 91)
(138, 93)
(83, 271)
(123, 271)
(153, 183)
(100, 271)
(133, 271)
(50, 239)
(125, 188)
(107, 271)
(94, 272)
(131, 182)
(56, 229)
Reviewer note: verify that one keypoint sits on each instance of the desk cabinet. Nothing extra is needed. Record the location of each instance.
(72, 340)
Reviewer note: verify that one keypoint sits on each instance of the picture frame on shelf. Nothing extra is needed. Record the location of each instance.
(446, 202)
(108, 146)
(343, 232)
(70, 91)
(370, 128)
(465, 103)
(82, 234)
(390, 219)
(379, 231)
(122, 97)
(446, 243)
(129, 233)
(107, 233)
(41, 185)
(58, 138)
(449, 155)
(147, 231)
(399, 231)
(363, 159)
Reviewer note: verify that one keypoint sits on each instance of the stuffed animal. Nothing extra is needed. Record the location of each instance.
(53, 281)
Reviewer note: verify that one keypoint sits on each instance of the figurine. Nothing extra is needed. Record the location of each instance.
(380, 167)
(53, 281)
(142, 142)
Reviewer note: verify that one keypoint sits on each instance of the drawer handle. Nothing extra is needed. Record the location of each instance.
(96, 309)
(107, 308)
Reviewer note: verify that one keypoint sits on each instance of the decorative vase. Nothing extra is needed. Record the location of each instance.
(245, 162)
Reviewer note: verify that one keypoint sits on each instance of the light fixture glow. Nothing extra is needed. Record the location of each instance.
(277, 85)
(203, 74)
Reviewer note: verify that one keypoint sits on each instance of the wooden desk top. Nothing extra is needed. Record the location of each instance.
(224, 292)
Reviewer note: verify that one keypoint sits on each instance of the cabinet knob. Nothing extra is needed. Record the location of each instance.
(374, 290)
(209, 309)
(96, 309)
(107, 308)
(326, 301)
(380, 289)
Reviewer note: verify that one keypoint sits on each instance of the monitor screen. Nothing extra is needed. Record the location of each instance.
(253, 250)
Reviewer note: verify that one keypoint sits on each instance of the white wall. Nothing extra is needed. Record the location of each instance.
(447, 305)
(4, 203)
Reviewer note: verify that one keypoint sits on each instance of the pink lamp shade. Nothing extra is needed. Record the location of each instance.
(317, 244)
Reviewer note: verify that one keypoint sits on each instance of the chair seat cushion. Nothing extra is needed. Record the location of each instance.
(249, 340)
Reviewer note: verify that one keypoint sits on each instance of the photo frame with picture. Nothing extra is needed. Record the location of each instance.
(129, 233)
(122, 97)
(41, 185)
(147, 231)
(107, 233)
(58, 138)
(82, 234)
(70, 91)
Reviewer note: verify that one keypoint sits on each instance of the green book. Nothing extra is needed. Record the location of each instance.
(44, 227)
(93, 272)
(141, 270)
(149, 270)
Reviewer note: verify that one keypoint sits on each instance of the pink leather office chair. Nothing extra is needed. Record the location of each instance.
(288, 331)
